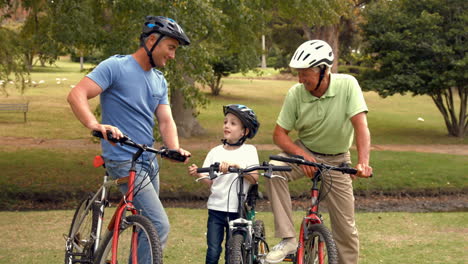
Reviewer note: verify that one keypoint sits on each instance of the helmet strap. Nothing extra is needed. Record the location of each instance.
(150, 52)
(322, 74)
(238, 143)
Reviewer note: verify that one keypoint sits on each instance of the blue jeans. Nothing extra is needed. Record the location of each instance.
(147, 199)
(218, 225)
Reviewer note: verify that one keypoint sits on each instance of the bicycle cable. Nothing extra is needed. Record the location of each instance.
(323, 184)
(230, 186)
(148, 174)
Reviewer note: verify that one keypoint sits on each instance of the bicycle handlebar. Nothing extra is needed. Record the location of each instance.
(300, 160)
(126, 140)
(268, 168)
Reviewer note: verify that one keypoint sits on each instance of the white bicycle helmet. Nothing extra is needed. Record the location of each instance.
(312, 53)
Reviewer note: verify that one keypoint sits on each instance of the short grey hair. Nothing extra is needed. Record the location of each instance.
(156, 35)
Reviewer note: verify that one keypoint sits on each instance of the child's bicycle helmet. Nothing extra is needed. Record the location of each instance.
(247, 117)
(164, 27)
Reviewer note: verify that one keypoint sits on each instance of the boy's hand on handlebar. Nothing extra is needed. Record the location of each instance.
(224, 166)
(192, 170)
(364, 171)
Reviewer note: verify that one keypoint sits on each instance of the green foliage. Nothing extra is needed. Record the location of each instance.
(420, 47)
(222, 68)
(292, 21)
(11, 61)
(36, 36)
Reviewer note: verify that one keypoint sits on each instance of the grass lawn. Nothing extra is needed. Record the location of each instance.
(407, 238)
(63, 176)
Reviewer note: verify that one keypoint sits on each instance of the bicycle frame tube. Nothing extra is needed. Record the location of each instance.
(311, 218)
(101, 214)
(126, 204)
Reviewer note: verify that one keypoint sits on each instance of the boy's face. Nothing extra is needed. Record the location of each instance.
(233, 129)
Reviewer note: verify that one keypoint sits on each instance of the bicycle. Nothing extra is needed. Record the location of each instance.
(316, 244)
(247, 242)
(85, 243)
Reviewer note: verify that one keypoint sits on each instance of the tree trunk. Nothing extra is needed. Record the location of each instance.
(264, 65)
(81, 63)
(187, 124)
(330, 34)
(444, 101)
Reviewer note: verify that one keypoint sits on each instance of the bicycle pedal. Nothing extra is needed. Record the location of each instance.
(290, 258)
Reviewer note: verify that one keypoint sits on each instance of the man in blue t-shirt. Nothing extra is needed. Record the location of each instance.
(132, 93)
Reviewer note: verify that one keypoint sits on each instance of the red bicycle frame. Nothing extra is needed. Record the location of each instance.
(126, 204)
(311, 219)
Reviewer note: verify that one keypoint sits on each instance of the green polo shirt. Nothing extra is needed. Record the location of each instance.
(323, 124)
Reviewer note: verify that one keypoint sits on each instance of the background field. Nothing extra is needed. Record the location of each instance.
(59, 173)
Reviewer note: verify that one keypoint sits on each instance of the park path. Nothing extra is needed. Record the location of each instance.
(25, 143)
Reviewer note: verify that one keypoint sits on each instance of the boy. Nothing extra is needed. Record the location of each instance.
(240, 123)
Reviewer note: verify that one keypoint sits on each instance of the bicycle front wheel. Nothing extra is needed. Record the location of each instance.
(137, 240)
(319, 247)
(82, 235)
(237, 253)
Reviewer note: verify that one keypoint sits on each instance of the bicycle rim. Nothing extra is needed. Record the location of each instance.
(82, 235)
(137, 234)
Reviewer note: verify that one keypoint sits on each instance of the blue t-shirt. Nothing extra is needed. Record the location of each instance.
(129, 100)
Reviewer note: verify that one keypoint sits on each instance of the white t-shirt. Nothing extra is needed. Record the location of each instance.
(246, 156)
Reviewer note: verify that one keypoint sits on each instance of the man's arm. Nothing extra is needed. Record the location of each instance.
(168, 128)
(78, 100)
(282, 140)
(363, 140)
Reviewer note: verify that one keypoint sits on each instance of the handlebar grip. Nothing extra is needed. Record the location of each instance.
(174, 155)
(281, 158)
(350, 171)
(203, 170)
(109, 136)
(281, 168)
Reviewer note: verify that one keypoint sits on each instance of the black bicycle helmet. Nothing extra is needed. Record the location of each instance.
(164, 27)
(247, 117)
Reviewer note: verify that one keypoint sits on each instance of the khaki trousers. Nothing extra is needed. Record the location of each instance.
(339, 201)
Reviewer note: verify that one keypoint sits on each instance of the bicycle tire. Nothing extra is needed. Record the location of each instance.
(260, 246)
(82, 235)
(237, 253)
(319, 247)
(131, 223)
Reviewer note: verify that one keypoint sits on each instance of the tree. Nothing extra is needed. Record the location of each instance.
(296, 21)
(222, 67)
(35, 34)
(11, 56)
(420, 47)
(73, 25)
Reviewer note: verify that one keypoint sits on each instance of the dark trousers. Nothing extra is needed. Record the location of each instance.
(218, 225)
